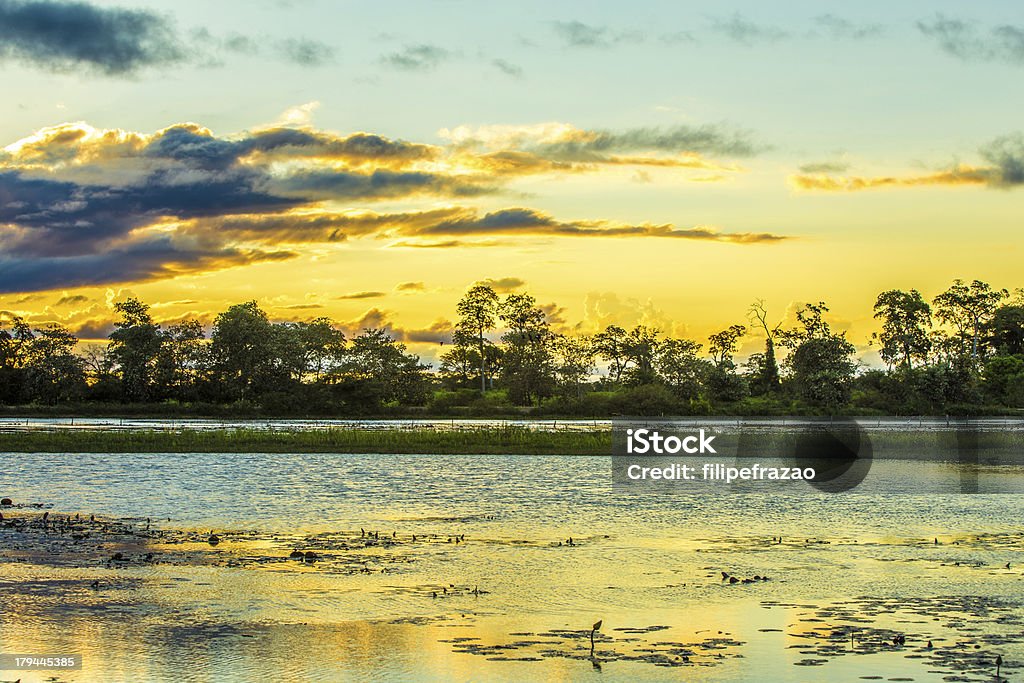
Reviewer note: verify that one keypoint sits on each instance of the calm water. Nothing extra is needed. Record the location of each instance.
(640, 557)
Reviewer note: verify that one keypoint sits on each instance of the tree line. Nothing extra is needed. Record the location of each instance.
(962, 352)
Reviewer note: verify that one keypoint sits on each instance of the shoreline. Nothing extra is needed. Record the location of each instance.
(1006, 446)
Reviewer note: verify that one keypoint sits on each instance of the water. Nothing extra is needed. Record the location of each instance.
(640, 557)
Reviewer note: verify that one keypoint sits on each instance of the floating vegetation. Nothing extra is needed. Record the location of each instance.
(960, 636)
(576, 644)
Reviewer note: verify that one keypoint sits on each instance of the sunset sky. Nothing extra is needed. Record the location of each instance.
(656, 162)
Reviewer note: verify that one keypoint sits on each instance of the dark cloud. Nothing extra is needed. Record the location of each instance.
(417, 57)
(380, 184)
(961, 39)
(502, 284)
(747, 32)
(302, 307)
(825, 167)
(72, 299)
(578, 34)
(507, 68)
(147, 260)
(361, 295)
(410, 287)
(63, 35)
(439, 332)
(530, 222)
(1006, 155)
(306, 52)
(707, 139)
(94, 329)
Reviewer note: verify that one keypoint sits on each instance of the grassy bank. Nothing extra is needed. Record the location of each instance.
(511, 440)
(941, 444)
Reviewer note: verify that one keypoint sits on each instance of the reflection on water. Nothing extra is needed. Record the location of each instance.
(431, 608)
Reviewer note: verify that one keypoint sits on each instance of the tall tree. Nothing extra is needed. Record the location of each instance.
(53, 371)
(640, 347)
(681, 368)
(477, 311)
(610, 346)
(527, 361)
(766, 377)
(181, 361)
(134, 345)
(242, 350)
(1007, 329)
(906, 319)
(573, 362)
(969, 309)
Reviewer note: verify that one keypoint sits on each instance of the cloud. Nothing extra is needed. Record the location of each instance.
(567, 142)
(825, 167)
(306, 52)
(1005, 169)
(840, 28)
(439, 331)
(74, 198)
(410, 287)
(963, 40)
(502, 285)
(149, 260)
(532, 222)
(68, 300)
(60, 36)
(747, 32)
(578, 34)
(421, 57)
(361, 295)
(507, 68)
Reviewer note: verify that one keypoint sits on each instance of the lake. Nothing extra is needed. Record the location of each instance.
(474, 575)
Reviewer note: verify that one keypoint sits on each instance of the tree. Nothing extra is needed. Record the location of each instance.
(609, 346)
(722, 345)
(573, 362)
(242, 350)
(309, 350)
(766, 375)
(477, 311)
(812, 325)
(969, 309)
(181, 361)
(53, 373)
(680, 367)
(640, 347)
(13, 349)
(134, 345)
(527, 364)
(1006, 329)
(906, 317)
(377, 370)
(823, 370)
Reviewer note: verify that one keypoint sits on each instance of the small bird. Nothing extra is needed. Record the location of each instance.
(999, 664)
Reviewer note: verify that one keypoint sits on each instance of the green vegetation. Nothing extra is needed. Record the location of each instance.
(500, 440)
(779, 441)
(962, 354)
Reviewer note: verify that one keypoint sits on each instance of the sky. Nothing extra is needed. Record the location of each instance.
(660, 163)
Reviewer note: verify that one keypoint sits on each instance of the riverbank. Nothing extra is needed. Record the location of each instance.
(509, 440)
(999, 445)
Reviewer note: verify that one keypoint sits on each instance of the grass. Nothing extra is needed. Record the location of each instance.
(499, 440)
(941, 444)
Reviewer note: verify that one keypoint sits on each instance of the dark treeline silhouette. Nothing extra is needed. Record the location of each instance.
(961, 353)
